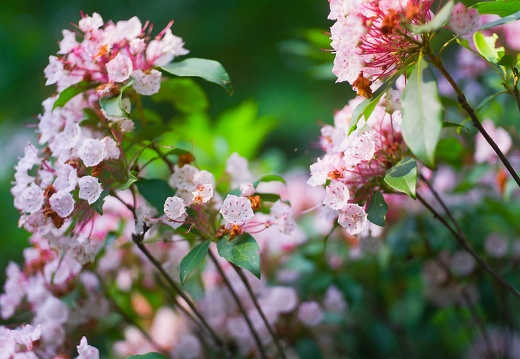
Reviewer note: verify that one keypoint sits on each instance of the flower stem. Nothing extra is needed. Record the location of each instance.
(139, 242)
(240, 306)
(437, 62)
(128, 318)
(262, 314)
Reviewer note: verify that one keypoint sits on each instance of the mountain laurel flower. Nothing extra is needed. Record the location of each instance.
(119, 68)
(62, 203)
(236, 210)
(146, 82)
(353, 218)
(464, 21)
(372, 38)
(91, 152)
(337, 195)
(282, 216)
(31, 199)
(86, 351)
(203, 193)
(89, 188)
(175, 208)
(112, 152)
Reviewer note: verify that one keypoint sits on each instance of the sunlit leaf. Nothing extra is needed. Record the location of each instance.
(501, 8)
(403, 177)
(243, 251)
(485, 45)
(422, 113)
(193, 259)
(208, 70)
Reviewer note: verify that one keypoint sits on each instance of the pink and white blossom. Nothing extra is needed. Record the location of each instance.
(62, 203)
(89, 189)
(236, 209)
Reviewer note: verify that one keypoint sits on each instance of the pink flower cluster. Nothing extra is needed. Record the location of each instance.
(110, 54)
(372, 38)
(355, 162)
(195, 189)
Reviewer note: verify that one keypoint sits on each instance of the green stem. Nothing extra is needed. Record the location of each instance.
(473, 116)
(257, 306)
(466, 245)
(240, 306)
(138, 240)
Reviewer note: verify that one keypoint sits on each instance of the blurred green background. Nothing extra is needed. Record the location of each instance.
(263, 44)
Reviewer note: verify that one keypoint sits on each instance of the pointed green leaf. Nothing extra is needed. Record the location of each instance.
(208, 70)
(131, 180)
(242, 251)
(155, 191)
(403, 177)
(501, 8)
(192, 259)
(67, 94)
(486, 46)
(270, 178)
(378, 209)
(148, 356)
(113, 107)
(422, 113)
(502, 21)
(440, 19)
(98, 205)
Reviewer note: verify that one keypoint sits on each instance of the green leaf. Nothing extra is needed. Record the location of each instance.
(184, 94)
(403, 177)
(501, 8)
(268, 197)
(486, 46)
(507, 61)
(378, 209)
(131, 180)
(67, 94)
(502, 21)
(98, 205)
(152, 355)
(208, 70)
(192, 259)
(242, 251)
(155, 191)
(113, 106)
(270, 178)
(422, 113)
(440, 19)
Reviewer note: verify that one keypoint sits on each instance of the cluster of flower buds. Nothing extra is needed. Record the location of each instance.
(356, 161)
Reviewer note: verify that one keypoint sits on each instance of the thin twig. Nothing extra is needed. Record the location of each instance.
(255, 302)
(240, 306)
(465, 297)
(129, 319)
(465, 244)
(138, 241)
(474, 119)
